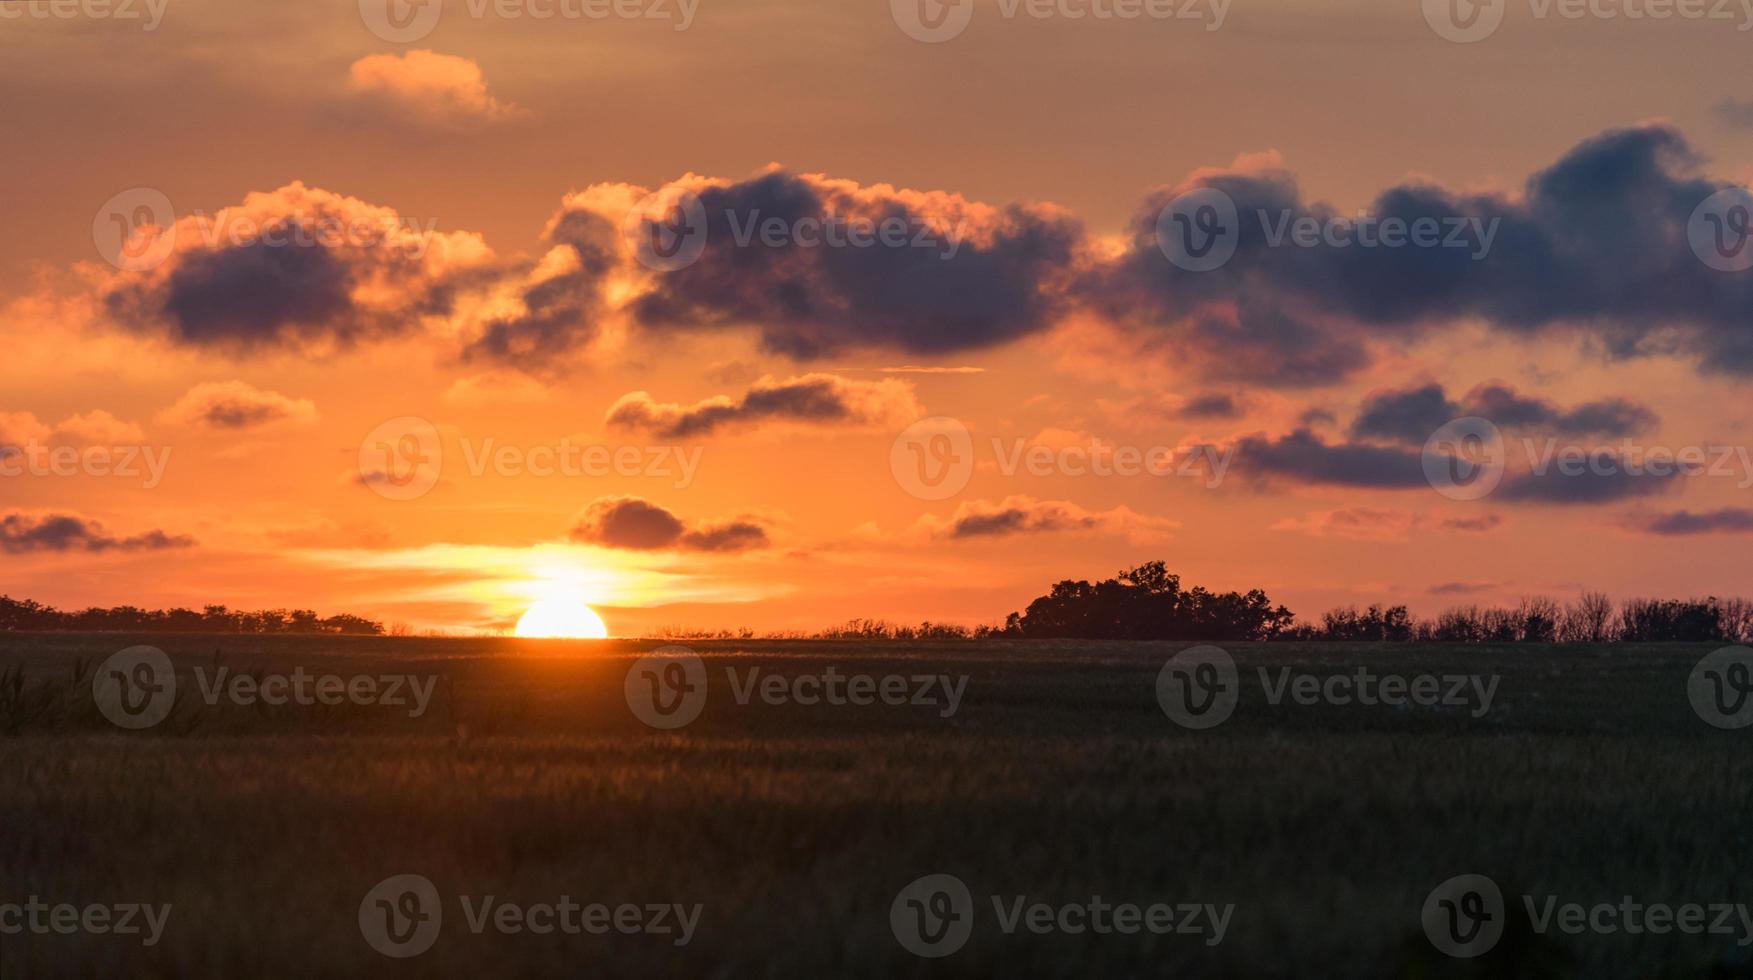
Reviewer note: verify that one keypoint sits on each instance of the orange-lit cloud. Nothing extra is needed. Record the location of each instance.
(428, 89)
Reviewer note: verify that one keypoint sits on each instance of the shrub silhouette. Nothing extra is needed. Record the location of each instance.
(25, 614)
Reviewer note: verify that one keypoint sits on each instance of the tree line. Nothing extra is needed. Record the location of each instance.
(26, 614)
(1149, 603)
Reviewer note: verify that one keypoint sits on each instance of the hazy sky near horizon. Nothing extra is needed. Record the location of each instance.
(365, 293)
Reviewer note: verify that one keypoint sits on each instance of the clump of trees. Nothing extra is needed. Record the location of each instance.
(1593, 618)
(1147, 603)
(26, 614)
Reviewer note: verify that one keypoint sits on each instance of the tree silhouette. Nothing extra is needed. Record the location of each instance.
(1147, 603)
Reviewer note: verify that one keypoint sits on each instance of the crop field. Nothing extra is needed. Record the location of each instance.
(550, 831)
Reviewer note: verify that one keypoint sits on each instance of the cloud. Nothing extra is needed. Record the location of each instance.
(1205, 406)
(1461, 588)
(1407, 415)
(1726, 520)
(559, 307)
(298, 267)
(931, 369)
(1596, 244)
(22, 533)
(435, 91)
(1410, 415)
(810, 399)
(1019, 514)
(636, 524)
(970, 275)
(1304, 457)
(1737, 113)
(1357, 523)
(1379, 524)
(494, 388)
(237, 405)
(1603, 477)
(93, 428)
(1606, 418)
(1475, 525)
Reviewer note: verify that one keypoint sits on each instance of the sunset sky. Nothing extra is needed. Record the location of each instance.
(343, 300)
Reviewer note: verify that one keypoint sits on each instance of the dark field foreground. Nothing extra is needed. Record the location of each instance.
(1059, 778)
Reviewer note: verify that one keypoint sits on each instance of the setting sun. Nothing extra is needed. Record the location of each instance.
(562, 618)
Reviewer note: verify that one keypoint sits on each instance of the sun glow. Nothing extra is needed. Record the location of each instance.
(567, 618)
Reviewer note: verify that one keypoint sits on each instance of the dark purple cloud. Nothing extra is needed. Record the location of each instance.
(1304, 457)
(296, 267)
(1602, 477)
(811, 399)
(1596, 243)
(967, 276)
(1410, 415)
(30, 533)
(640, 525)
(1726, 520)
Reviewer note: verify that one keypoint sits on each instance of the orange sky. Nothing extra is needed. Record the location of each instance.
(482, 277)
